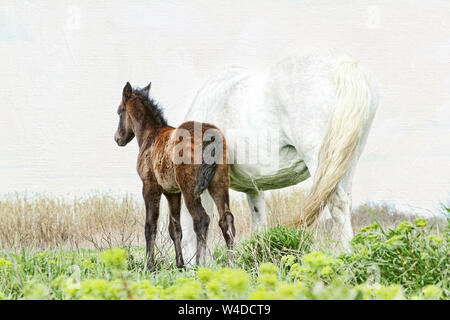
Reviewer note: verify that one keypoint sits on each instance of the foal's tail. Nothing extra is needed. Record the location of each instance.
(340, 143)
(207, 169)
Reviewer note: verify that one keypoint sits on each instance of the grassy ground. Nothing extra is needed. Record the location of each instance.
(54, 249)
(106, 221)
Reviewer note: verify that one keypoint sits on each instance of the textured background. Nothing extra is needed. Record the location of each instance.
(63, 65)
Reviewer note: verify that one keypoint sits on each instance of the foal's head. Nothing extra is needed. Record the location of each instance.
(137, 112)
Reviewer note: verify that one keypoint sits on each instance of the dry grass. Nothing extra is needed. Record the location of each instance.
(103, 220)
(96, 221)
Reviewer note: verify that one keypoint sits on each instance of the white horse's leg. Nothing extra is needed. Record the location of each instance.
(340, 206)
(340, 203)
(189, 238)
(257, 206)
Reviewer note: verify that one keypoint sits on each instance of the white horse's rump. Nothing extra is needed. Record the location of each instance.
(341, 139)
(319, 107)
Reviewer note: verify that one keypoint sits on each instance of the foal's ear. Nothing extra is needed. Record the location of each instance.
(127, 91)
(147, 88)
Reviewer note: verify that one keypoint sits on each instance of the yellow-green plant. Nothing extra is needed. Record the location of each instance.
(408, 255)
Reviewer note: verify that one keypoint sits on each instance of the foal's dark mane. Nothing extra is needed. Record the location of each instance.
(152, 105)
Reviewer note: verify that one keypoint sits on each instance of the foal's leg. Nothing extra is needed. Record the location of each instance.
(226, 220)
(200, 221)
(152, 197)
(174, 200)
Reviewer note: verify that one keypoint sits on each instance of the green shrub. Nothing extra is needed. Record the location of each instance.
(409, 255)
(269, 245)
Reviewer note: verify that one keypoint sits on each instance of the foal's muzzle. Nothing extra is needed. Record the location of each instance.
(120, 142)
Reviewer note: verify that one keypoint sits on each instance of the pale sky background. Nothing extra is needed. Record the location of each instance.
(63, 65)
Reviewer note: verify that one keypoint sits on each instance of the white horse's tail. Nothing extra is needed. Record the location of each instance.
(341, 140)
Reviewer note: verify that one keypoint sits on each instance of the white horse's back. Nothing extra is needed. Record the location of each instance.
(213, 98)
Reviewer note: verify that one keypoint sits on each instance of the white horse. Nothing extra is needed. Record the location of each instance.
(319, 106)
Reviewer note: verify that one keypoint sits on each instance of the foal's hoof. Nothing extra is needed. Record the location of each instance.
(181, 266)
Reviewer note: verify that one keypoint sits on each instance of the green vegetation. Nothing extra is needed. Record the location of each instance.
(409, 255)
(268, 246)
(409, 261)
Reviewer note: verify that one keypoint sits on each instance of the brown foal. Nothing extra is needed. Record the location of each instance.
(174, 162)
